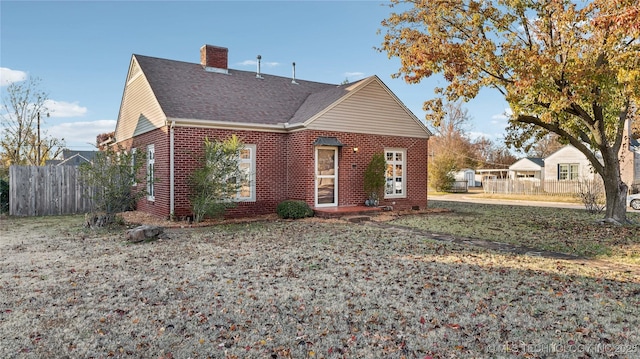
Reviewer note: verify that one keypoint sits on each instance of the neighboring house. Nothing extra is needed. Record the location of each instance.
(72, 158)
(527, 168)
(568, 164)
(304, 140)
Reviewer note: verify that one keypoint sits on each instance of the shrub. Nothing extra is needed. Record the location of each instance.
(215, 184)
(294, 209)
(441, 171)
(110, 177)
(4, 196)
(592, 195)
(374, 178)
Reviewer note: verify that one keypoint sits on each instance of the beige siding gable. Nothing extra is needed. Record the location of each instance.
(370, 108)
(140, 111)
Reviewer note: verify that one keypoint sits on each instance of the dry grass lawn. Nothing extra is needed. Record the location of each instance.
(299, 289)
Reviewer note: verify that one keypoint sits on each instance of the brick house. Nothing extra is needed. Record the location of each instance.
(303, 140)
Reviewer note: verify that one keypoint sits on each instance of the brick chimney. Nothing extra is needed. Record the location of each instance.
(214, 58)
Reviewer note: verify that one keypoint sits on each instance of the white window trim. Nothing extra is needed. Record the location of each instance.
(569, 166)
(134, 183)
(251, 175)
(404, 172)
(334, 176)
(151, 160)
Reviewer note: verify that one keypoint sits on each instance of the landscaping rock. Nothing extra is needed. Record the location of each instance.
(142, 233)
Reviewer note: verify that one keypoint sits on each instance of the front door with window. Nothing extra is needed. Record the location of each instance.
(326, 176)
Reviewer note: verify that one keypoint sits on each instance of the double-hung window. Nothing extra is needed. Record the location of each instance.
(396, 173)
(567, 171)
(133, 167)
(151, 161)
(247, 163)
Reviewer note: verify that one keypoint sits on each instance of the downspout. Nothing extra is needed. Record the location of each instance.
(172, 202)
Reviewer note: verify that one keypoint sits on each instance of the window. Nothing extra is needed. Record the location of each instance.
(151, 161)
(567, 171)
(247, 163)
(396, 173)
(133, 166)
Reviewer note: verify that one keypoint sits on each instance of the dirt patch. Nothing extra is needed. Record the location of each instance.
(139, 218)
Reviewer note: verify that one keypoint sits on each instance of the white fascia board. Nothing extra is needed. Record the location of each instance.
(281, 127)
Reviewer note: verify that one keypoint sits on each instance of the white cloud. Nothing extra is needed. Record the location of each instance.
(80, 135)
(502, 117)
(8, 76)
(255, 62)
(354, 74)
(64, 109)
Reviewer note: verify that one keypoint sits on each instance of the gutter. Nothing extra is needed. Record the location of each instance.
(172, 202)
(279, 127)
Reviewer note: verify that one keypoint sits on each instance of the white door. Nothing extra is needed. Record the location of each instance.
(326, 176)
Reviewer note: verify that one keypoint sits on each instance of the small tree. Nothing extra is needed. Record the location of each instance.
(374, 179)
(216, 183)
(441, 171)
(109, 179)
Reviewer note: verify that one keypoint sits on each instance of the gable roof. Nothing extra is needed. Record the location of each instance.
(528, 164)
(537, 160)
(188, 94)
(186, 91)
(367, 106)
(73, 158)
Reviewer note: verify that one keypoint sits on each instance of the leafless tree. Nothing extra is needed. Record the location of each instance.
(23, 113)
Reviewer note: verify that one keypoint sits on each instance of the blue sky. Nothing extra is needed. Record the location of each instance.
(81, 51)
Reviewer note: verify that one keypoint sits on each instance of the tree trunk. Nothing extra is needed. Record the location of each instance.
(615, 190)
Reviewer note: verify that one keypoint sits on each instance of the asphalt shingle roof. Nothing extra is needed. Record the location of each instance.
(537, 160)
(186, 90)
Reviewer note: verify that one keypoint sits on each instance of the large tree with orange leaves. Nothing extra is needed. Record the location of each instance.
(564, 67)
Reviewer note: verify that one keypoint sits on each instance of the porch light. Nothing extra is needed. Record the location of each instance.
(355, 150)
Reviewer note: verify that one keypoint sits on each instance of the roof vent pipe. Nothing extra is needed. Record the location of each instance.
(293, 80)
(258, 73)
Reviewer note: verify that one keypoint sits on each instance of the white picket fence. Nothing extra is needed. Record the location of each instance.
(538, 187)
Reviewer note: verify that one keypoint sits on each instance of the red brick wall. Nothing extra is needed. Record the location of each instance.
(270, 167)
(300, 167)
(284, 168)
(160, 140)
(351, 166)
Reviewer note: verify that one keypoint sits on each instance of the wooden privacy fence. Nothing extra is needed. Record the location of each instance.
(543, 188)
(46, 191)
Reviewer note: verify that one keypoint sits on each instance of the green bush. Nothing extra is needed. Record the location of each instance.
(4, 196)
(374, 177)
(441, 170)
(294, 209)
(215, 184)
